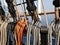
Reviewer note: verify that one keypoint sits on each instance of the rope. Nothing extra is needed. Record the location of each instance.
(49, 28)
(17, 11)
(22, 8)
(15, 6)
(44, 13)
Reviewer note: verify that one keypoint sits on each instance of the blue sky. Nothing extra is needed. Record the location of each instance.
(47, 4)
(20, 8)
(48, 7)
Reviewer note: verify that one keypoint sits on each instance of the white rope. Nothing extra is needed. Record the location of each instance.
(23, 8)
(49, 28)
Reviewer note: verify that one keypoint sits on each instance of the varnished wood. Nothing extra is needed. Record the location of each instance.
(39, 14)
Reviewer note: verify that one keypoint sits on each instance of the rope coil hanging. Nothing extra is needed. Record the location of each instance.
(49, 27)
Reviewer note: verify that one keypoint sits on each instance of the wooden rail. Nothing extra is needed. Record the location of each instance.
(47, 13)
(39, 14)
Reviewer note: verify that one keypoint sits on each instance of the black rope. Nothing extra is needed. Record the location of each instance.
(56, 3)
(20, 4)
(11, 9)
(2, 13)
(31, 7)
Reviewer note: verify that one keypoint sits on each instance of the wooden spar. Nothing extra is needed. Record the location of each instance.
(47, 13)
(39, 14)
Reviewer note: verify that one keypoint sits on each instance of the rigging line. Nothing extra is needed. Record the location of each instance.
(45, 14)
(15, 6)
(23, 9)
(24, 6)
(37, 12)
(17, 11)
